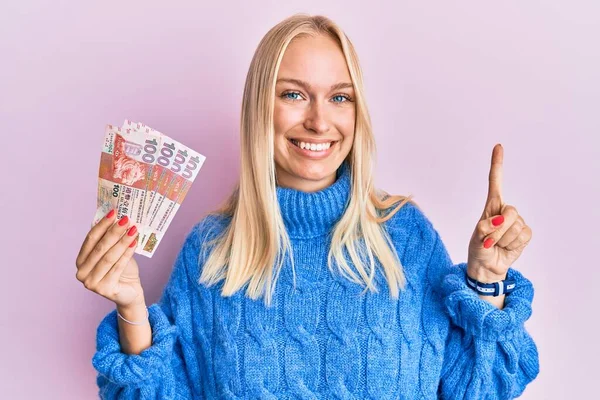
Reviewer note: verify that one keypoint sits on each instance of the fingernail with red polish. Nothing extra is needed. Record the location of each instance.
(498, 220)
(132, 231)
(110, 213)
(123, 220)
(133, 243)
(488, 243)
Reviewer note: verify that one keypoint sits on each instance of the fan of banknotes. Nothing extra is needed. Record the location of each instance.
(145, 175)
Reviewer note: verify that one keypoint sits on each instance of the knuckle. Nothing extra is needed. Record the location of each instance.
(111, 259)
(88, 284)
(80, 260)
(512, 211)
(480, 229)
(79, 276)
(513, 232)
(99, 249)
(91, 237)
(521, 224)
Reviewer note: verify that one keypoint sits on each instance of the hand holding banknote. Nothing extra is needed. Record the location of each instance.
(143, 178)
(105, 263)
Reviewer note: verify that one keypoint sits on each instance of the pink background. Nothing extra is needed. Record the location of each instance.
(444, 81)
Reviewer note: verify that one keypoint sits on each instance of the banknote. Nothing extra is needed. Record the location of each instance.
(172, 188)
(152, 145)
(106, 199)
(145, 175)
(129, 125)
(132, 161)
(159, 181)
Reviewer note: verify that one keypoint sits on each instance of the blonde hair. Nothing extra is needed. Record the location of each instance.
(252, 247)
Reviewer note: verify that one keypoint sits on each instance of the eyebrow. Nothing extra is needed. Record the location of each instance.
(306, 85)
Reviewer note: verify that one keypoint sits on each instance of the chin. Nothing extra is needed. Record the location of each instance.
(315, 171)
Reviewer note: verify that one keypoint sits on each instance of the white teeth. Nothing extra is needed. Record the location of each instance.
(312, 146)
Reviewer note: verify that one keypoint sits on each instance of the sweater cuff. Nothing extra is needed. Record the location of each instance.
(133, 369)
(481, 318)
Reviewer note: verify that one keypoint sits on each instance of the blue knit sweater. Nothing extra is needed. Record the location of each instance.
(325, 340)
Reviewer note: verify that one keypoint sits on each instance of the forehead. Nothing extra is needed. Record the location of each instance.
(318, 60)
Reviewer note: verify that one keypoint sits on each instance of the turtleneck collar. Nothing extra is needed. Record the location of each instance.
(309, 214)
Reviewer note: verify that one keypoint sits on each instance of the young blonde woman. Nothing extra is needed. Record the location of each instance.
(309, 283)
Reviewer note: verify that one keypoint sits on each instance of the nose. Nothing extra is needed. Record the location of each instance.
(316, 118)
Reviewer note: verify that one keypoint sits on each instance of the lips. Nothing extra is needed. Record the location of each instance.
(296, 142)
(311, 154)
(312, 140)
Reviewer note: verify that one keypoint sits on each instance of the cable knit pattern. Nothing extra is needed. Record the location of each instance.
(322, 338)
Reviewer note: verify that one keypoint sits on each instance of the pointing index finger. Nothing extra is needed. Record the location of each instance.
(495, 177)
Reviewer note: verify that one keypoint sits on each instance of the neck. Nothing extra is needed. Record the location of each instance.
(310, 214)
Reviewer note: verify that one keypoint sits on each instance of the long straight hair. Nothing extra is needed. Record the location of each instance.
(252, 247)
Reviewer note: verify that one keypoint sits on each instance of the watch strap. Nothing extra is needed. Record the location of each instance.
(492, 289)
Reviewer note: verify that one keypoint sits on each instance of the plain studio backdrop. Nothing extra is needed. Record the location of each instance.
(445, 81)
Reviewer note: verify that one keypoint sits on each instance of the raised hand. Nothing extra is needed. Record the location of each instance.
(501, 233)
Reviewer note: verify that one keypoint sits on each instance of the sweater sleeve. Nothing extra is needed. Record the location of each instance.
(168, 368)
(488, 352)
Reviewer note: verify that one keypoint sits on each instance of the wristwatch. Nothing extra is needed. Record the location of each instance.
(492, 289)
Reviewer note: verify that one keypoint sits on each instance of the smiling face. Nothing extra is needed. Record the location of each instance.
(314, 109)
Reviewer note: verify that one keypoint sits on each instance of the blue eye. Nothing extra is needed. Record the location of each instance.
(292, 93)
(343, 96)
